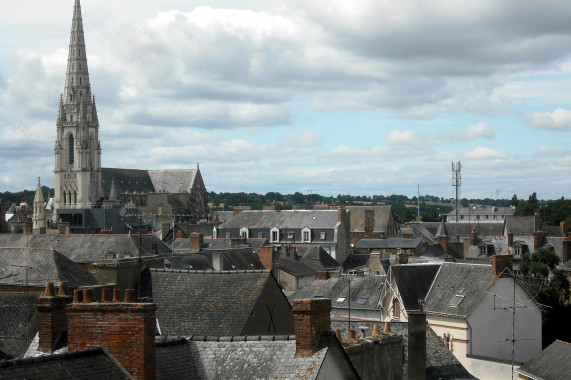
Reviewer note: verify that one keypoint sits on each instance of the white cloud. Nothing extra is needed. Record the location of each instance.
(400, 137)
(483, 153)
(479, 130)
(558, 120)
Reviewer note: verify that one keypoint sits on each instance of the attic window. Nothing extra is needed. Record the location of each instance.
(456, 300)
(290, 235)
(362, 300)
(340, 299)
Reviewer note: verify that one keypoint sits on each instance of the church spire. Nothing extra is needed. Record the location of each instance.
(77, 84)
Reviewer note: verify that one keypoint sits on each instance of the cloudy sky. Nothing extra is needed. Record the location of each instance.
(335, 97)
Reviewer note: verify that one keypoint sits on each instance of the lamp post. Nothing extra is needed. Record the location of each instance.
(348, 279)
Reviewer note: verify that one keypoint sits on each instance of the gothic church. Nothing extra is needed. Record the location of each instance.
(85, 193)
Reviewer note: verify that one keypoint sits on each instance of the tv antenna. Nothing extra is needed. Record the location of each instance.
(457, 183)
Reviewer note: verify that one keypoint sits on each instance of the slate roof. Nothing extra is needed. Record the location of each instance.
(290, 219)
(296, 268)
(203, 303)
(482, 210)
(86, 248)
(145, 181)
(220, 243)
(191, 261)
(469, 280)
(413, 282)
(45, 265)
(93, 363)
(17, 312)
(366, 287)
(356, 261)
(382, 215)
(440, 362)
(553, 363)
(173, 359)
(435, 250)
(238, 259)
(465, 229)
(389, 243)
(521, 225)
(265, 357)
(315, 256)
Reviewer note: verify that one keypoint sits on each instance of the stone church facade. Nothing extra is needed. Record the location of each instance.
(86, 193)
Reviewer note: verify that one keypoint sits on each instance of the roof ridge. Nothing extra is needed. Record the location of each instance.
(206, 271)
(240, 338)
(51, 357)
(31, 248)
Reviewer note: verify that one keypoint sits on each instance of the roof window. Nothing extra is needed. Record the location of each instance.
(362, 300)
(340, 299)
(456, 300)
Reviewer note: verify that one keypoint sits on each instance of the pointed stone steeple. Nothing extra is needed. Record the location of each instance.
(39, 216)
(77, 150)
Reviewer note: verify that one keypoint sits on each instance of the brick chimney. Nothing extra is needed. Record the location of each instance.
(126, 329)
(196, 242)
(500, 262)
(237, 241)
(322, 275)
(562, 225)
(444, 242)
(510, 239)
(473, 236)
(417, 344)
(401, 258)
(538, 238)
(312, 319)
(52, 316)
(566, 248)
(270, 258)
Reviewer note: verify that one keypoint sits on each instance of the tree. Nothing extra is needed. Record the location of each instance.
(514, 201)
(550, 288)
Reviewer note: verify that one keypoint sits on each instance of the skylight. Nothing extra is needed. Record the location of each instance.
(340, 300)
(361, 300)
(456, 300)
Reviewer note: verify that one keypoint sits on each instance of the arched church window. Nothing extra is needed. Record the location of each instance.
(71, 150)
(73, 66)
(70, 117)
(79, 65)
(71, 80)
(79, 80)
(79, 54)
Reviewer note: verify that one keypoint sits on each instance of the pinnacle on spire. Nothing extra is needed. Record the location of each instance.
(39, 196)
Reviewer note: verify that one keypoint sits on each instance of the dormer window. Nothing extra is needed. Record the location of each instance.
(306, 235)
(274, 235)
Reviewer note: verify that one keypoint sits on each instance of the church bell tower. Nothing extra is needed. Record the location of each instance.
(77, 148)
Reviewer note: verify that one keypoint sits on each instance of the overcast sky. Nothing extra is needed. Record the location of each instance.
(334, 97)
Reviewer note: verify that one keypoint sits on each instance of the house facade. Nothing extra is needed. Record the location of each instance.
(329, 229)
(477, 310)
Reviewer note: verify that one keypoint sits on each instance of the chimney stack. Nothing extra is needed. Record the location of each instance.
(444, 242)
(270, 258)
(126, 329)
(401, 258)
(510, 239)
(312, 318)
(538, 238)
(52, 316)
(217, 261)
(196, 242)
(500, 262)
(566, 248)
(237, 241)
(473, 236)
(417, 345)
(322, 275)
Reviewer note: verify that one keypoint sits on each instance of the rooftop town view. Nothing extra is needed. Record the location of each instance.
(146, 273)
